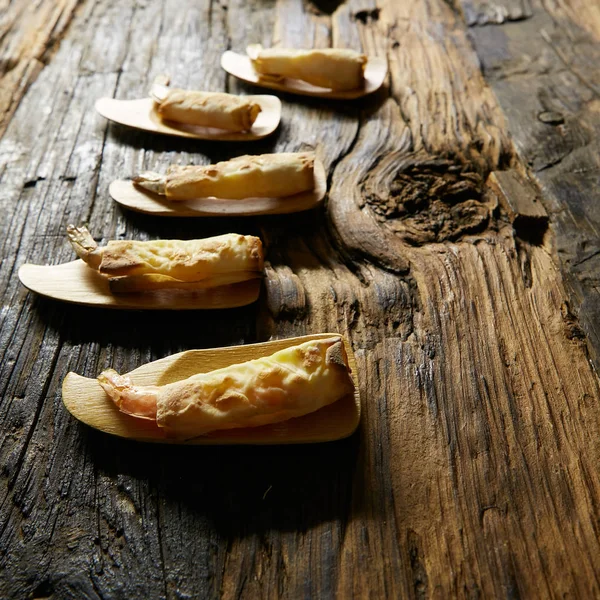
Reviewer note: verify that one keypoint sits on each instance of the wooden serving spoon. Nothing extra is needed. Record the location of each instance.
(77, 283)
(88, 402)
(138, 199)
(142, 114)
(240, 66)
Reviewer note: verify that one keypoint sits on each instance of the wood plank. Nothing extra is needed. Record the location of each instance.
(435, 458)
(544, 71)
(474, 470)
(29, 33)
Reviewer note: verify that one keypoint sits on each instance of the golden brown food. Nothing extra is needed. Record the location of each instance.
(207, 109)
(167, 264)
(262, 176)
(333, 68)
(290, 383)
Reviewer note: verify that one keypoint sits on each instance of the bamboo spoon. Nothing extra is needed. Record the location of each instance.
(140, 200)
(87, 401)
(240, 66)
(77, 283)
(142, 114)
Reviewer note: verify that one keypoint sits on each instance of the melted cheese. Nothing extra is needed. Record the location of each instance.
(263, 176)
(332, 68)
(208, 109)
(185, 260)
(289, 383)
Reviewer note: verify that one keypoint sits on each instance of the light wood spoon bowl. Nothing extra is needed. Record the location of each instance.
(77, 283)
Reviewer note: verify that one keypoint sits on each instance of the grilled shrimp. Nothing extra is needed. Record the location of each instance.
(85, 246)
(136, 400)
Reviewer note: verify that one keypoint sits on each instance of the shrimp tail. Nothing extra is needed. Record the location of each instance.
(153, 182)
(253, 50)
(160, 88)
(84, 245)
(138, 401)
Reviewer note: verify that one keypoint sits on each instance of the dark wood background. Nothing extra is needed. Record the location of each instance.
(458, 249)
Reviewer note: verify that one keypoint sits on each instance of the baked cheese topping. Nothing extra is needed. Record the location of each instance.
(333, 68)
(163, 264)
(290, 383)
(208, 109)
(262, 176)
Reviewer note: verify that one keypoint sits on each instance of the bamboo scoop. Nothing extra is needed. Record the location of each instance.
(85, 399)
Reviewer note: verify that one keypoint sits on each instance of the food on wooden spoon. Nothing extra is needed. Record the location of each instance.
(290, 383)
(333, 68)
(205, 109)
(262, 176)
(135, 266)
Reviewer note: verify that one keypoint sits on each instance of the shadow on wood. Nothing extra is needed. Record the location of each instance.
(241, 490)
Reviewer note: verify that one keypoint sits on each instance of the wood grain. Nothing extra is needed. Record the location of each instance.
(474, 471)
(544, 71)
(29, 33)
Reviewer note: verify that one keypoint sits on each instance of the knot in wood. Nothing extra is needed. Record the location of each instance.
(427, 200)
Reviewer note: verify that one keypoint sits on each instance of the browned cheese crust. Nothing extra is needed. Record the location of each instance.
(332, 68)
(287, 384)
(263, 176)
(191, 260)
(209, 109)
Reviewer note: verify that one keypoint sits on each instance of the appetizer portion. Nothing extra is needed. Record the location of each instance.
(205, 109)
(134, 266)
(333, 68)
(262, 176)
(290, 383)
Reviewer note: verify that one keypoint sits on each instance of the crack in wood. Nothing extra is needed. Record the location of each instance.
(417, 566)
(367, 16)
(32, 182)
(323, 7)
(573, 330)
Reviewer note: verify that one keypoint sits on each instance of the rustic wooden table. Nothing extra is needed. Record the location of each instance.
(471, 301)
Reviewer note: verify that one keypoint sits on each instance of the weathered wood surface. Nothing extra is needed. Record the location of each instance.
(475, 471)
(545, 72)
(29, 33)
